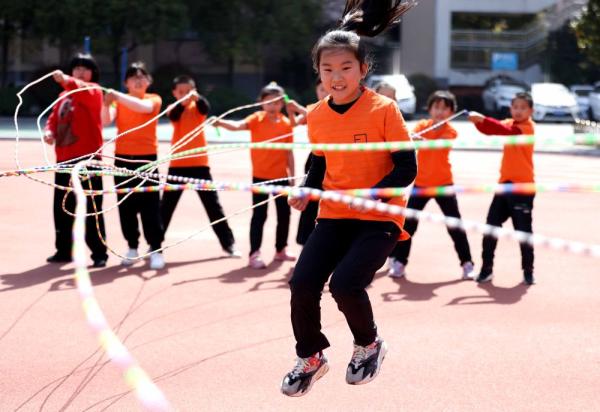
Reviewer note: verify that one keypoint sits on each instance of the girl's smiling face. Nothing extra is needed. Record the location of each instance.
(341, 74)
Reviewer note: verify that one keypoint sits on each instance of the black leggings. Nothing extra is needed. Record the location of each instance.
(63, 222)
(518, 208)
(259, 216)
(147, 205)
(210, 200)
(353, 250)
(449, 206)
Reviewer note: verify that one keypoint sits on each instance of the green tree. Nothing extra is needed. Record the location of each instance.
(565, 61)
(588, 31)
(249, 30)
(15, 20)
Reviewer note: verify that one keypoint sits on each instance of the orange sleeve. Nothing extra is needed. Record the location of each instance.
(395, 128)
(251, 121)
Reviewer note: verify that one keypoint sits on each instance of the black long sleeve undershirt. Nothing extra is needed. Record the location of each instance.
(202, 105)
(402, 175)
(316, 173)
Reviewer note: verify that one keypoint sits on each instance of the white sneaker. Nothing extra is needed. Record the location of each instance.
(256, 261)
(396, 269)
(157, 261)
(130, 257)
(232, 252)
(468, 269)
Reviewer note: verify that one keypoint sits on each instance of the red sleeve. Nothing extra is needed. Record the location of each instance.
(52, 120)
(492, 126)
(87, 98)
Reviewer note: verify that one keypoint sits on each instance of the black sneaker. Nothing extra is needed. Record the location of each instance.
(366, 362)
(99, 263)
(58, 258)
(528, 278)
(485, 275)
(306, 372)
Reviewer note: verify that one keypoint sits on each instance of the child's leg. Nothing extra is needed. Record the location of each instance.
(63, 222)
(283, 223)
(93, 234)
(128, 213)
(151, 222)
(449, 206)
(498, 213)
(169, 199)
(372, 242)
(259, 216)
(319, 257)
(521, 214)
(402, 249)
(214, 210)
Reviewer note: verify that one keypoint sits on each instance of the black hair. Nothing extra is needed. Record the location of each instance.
(524, 96)
(361, 18)
(85, 60)
(183, 79)
(137, 68)
(442, 96)
(384, 85)
(318, 81)
(270, 89)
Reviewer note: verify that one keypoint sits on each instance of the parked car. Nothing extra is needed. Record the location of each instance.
(553, 102)
(405, 95)
(498, 93)
(594, 101)
(582, 94)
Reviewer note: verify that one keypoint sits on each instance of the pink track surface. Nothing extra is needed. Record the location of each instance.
(216, 335)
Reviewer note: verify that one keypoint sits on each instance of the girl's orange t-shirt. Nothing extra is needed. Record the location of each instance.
(434, 167)
(517, 160)
(142, 141)
(190, 119)
(269, 164)
(372, 119)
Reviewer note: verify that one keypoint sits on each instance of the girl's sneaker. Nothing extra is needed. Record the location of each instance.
(396, 269)
(468, 271)
(306, 372)
(256, 261)
(130, 257)
(366, 362)
(157, 261)
(284, 256)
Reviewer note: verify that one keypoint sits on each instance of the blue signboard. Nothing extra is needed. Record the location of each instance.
(505, 61)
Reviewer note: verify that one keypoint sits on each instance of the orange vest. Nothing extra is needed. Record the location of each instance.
(190, 119)
(372, 119)
(142, 141)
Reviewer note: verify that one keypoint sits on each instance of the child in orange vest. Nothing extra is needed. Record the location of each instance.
(185, 117)
(517, 167)
(133, 149)
(349, 243)
(434, 169)
(268, 124)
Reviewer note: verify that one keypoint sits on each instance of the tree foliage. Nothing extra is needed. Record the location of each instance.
(588, 31)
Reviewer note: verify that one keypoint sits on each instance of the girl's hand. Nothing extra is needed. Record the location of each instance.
(475, 117)
(49, 137)
(110, 97)
(298, 203)
(58, 76)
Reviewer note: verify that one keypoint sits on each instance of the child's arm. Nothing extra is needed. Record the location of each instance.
(50, 129)
(293, 108)
(137, 105)
(232, 125)
(314, 180)
(291, 165)
(109, 112)
(491, 126)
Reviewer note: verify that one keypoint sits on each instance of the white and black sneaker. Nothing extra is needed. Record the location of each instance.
(485, 275)
(306, 372)
(366, 362)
